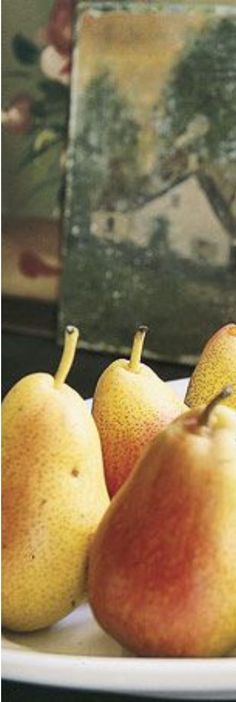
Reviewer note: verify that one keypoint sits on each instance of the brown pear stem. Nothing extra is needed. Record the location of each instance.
(222, 395)
(137, 348)
(71, 338)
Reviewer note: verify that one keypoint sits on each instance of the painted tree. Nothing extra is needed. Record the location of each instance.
(197, 119)
(196, 128)
(106, 146)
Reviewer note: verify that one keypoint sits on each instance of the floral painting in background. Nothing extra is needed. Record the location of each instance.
(37, 42)
(150, 220)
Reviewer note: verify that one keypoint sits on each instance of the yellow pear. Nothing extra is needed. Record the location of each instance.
(162, 566)
(215, 368)
(131, 404)
(53, 493)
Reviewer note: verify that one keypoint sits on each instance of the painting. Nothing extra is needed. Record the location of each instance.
(150, 213)
(37, 41)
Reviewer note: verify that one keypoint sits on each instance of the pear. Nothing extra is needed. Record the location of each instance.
(54, 496)
(162, 567)
(216, 367)
(131, 404)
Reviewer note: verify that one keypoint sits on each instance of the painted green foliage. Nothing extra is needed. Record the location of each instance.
(106, 146)
(198, 115)
(196, 120)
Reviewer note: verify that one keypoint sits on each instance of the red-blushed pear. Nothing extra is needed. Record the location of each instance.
(54, 495)
(162, 568)
(131, 404)
(216, 367)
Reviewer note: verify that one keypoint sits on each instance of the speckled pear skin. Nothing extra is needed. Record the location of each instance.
(162, 566)
(215, 369)
(53, 495)
(130, 408)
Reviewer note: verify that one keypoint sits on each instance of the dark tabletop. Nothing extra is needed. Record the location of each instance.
(15, 692)
(22, 354)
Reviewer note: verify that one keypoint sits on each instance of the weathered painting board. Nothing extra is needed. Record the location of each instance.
(150, 217)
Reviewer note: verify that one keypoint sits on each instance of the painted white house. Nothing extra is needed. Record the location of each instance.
(193, 230)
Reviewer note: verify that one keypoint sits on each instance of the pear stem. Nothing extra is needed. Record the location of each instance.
(68, 354)
(222, 395)
(137, 348)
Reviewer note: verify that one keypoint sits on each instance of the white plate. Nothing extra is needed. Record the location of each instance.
(76, 653)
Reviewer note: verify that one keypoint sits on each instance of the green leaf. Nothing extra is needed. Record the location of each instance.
(31, 155)
(44, 139)
(54, 91)
(25, 50)
(38, 109)
(26, 160)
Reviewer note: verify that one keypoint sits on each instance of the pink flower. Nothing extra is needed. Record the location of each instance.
(55, 59)
(55, 65)
(59, 30)
(18, 117)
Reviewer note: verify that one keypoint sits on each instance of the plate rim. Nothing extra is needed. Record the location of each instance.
(195, 676)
